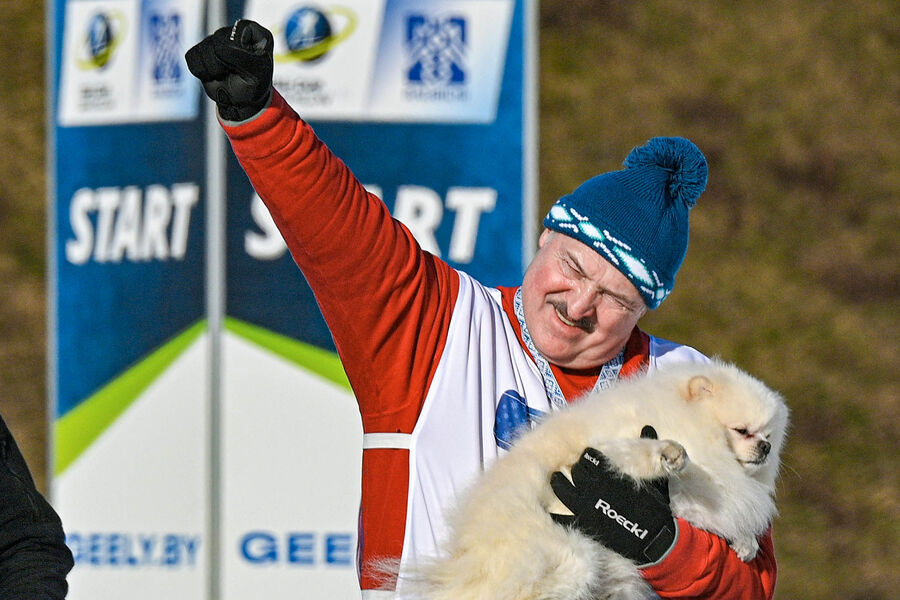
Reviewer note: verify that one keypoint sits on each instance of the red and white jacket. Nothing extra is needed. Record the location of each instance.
(430, 353)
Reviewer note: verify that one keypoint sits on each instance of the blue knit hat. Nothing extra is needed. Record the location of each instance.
(637, 218)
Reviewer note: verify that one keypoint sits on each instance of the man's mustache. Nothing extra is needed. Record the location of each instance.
(586, 324)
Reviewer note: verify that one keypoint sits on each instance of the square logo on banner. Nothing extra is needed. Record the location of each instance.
(165, 32)
(436, 48)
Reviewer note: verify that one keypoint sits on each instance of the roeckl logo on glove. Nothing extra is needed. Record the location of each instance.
(630, 526)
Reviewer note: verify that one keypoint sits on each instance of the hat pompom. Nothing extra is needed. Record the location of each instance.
(681, 158)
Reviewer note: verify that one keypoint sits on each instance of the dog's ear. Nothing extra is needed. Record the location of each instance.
(699, 387)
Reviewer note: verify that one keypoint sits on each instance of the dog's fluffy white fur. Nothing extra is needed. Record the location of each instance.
(720, 436)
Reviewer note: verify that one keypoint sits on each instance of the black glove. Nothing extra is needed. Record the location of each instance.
(628, 517)
(235, 66)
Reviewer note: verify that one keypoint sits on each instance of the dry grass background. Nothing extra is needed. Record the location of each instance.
(794, 265)
(22, 227)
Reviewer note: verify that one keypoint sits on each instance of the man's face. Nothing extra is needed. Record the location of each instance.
(579, 309)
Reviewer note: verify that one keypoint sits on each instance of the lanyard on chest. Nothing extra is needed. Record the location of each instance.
(609, 373)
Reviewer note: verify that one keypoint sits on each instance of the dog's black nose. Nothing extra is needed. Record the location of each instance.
(762, 448)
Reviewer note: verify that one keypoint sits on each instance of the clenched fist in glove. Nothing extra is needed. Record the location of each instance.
(631, 519)
(235, 65)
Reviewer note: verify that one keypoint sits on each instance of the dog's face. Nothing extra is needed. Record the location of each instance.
(749, 442)
(753, 417)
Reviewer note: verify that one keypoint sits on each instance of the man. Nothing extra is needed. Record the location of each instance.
(446, 370)
(34, 558)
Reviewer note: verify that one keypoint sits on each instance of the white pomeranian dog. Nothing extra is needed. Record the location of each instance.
(720, 436)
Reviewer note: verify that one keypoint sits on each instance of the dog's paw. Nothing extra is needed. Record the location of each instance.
(642, 458)
(673, 457)
(746, 549)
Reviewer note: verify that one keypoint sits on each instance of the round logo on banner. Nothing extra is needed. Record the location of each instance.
(104, 31)
(310, 33)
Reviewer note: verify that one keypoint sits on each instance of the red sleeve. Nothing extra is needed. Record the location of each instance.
(701, 565)
(387, 302)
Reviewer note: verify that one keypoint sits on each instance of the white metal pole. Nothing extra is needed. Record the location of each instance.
(215, 310)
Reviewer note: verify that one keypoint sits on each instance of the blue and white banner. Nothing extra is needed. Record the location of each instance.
(129, 394)
(429, 104)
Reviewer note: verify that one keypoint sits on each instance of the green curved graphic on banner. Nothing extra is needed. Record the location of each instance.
(77, 429)
(316, 360)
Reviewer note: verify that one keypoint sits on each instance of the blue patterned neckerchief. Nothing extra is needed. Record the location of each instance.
(609, 373)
